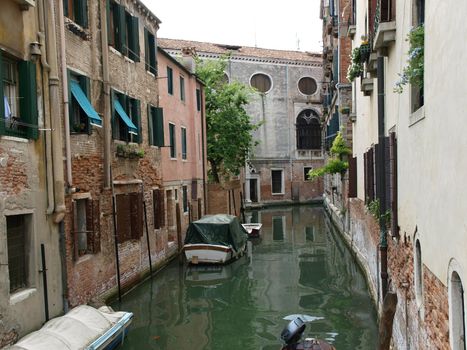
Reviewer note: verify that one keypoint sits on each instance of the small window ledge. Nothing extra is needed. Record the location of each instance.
(417, 116)
(351, 31)
(367, 86)
(22, 295)
(385, 34)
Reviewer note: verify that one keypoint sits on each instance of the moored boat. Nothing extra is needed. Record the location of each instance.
(84, 327)
(214, 239)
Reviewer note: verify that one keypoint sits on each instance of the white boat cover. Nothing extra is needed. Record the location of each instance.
(73, 331)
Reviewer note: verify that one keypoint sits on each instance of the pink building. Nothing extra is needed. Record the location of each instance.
(183, 141)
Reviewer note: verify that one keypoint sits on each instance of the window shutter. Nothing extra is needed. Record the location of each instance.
(134, 39)
(81, 11)
(150, 125)
(353, 177)
(2, 103)
(159, 125)
(170, 81)
(146, 49)
(65, 8)
(28, 99)
(113, 115)
(74, 231)
(121, 39)
(89, 225)
(371, 176)
(136, 106)
(123, 217)
(136, 214)
(96, 226)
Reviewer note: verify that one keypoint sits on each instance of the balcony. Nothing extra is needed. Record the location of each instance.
(384, 27)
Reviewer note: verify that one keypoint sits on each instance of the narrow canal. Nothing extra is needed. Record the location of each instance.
(300, 265)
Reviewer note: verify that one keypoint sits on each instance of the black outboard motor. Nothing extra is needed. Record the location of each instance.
(292, 333)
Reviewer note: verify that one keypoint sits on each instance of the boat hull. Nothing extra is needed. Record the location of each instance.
(201, 253)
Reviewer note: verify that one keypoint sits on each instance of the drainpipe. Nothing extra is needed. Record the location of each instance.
(57, 156)
(66, 110)
(105, 78)
(46, 110)
(383, 246)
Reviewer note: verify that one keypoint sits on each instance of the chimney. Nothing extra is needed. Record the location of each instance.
(188, 59)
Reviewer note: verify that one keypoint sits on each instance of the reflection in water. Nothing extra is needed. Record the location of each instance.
(299, 265)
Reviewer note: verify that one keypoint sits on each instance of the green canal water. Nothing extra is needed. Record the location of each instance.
(300, 265)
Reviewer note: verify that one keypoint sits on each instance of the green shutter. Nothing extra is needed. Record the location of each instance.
(81, 12)
(2, 103)
(150, 125)
(65, 8)
(170, 81)
(146, 50)
(134, 39)
(121, 30)
(198, 100)
(159, 127)
(70, 100)
(136, 119)
(28, 98)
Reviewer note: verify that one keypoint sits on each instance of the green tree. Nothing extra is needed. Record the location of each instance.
(229, 127)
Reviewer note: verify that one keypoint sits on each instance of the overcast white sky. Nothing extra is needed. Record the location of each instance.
(284, 25)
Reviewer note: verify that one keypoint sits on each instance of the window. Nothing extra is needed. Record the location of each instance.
(183, 143)
(456, 309)
(417, 93)
(198, 100)
(278, 228)
(307, 86)
(82, 113)
(173, 150)
(309, 234)
(276, 182)
(182, 88)
(308, 130)
(185, 198)
(150, 52)
(17, 237)
(170, 81)
(18, 111)
(77, 11)
(126, 120)
(129, 216)
(418, 273)
(261, 82)
(86, 233)
(123, 31)
(306, 170)
(158, 206)
(156, 126)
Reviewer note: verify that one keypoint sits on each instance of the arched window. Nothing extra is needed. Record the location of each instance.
(418, 273)
(308, 130)
(456, 308)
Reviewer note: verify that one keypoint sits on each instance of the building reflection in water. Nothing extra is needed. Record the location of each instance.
(299, 265)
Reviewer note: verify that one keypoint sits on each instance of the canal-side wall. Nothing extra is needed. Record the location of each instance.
(420, 321)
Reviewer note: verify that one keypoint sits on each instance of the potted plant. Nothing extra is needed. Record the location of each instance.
(414, 71)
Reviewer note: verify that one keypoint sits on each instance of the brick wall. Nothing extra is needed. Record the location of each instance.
(417, 324)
